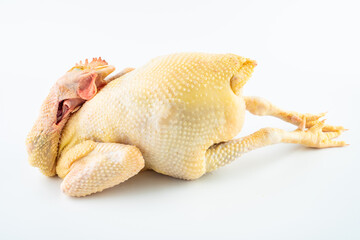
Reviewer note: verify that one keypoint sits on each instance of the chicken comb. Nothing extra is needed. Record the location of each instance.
(96, 62)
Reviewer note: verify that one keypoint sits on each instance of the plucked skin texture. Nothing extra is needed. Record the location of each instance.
(78, 85)
(177, 115)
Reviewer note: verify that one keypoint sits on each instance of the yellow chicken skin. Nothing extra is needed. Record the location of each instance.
(177, 115)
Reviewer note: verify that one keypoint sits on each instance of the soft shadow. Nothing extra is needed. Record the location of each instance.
(252, 162)
(147, 182)
(150, 182)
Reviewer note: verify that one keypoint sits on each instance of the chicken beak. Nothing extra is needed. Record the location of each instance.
(104, 71)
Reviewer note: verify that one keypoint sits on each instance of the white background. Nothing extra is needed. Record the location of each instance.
(308, 60)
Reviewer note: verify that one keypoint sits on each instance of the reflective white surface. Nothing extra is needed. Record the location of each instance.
(308, 61)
